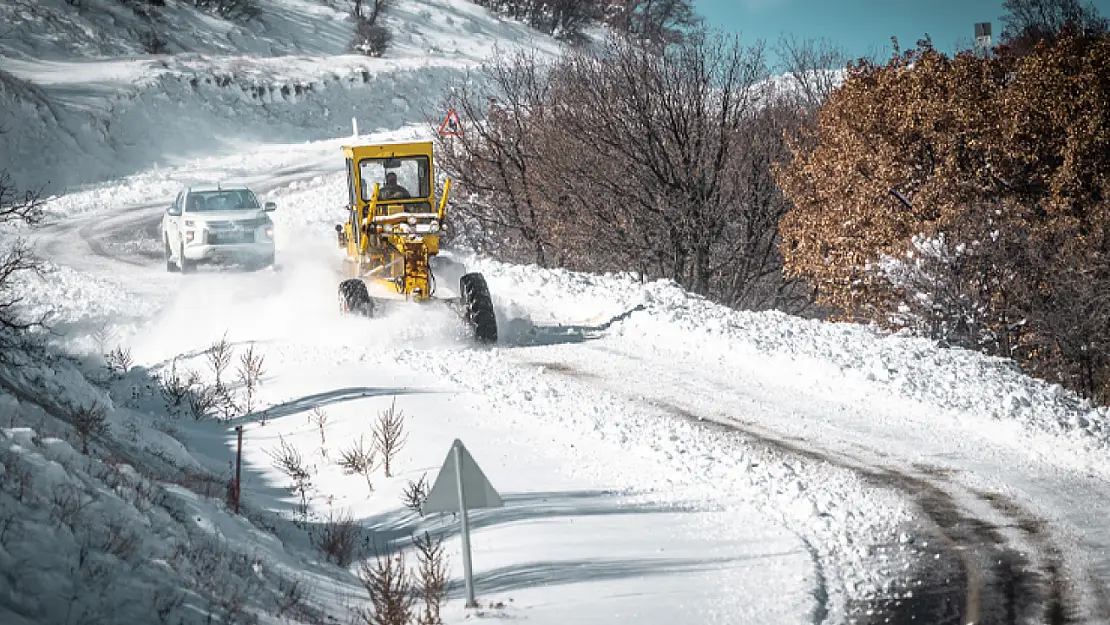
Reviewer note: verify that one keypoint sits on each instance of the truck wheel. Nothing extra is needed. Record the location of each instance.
(185, 264)
(261, 263)
(170, 265)
(354, 298)
(478, 307)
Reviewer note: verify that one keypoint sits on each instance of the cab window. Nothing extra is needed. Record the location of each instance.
(411, 174)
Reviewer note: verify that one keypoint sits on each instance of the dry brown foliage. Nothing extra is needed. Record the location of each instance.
(1005, 161)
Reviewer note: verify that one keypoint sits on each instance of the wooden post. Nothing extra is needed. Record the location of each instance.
(238, 465)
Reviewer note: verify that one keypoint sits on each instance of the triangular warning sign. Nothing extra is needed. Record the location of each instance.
(451, 125)
(478, 492)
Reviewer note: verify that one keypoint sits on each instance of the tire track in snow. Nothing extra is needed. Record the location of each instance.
(995, 582)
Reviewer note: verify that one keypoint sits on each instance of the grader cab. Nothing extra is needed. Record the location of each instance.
(391, 237)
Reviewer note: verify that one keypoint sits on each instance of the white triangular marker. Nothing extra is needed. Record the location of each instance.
(460, 486)
(478, 492)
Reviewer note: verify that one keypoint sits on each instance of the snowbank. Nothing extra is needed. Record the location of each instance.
(136, 530)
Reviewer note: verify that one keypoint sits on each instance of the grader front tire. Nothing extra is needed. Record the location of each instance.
(478, 307)
(354, 298)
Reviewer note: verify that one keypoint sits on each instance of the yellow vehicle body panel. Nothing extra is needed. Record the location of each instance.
(389, 242)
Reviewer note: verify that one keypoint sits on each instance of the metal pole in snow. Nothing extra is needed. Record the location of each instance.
(238, 464)
(354, 127)
(468, 574)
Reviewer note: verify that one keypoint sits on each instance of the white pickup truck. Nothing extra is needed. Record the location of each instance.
(221, 224)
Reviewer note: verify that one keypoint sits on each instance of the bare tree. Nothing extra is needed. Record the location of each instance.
(119, 359)
(289, 461)
(1034, 20)
(653, 21)
(16, 258)
(667, 153)
(89, 421)
(219, 355)
(494, 162)
(665, 131)
(563, 19)
(203, 398)
(813, 67)
(319, 417)
(389, 435)
(250, 376)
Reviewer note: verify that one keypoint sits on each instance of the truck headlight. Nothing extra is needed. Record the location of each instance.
(435, 226)
(189, 235)
(269, 232)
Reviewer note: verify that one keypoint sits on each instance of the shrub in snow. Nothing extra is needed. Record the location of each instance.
(289, 461)
(174, 386)
(433, 576)
(372, 38)
(415, 493)
(219, 356)
(389, 584)
(240, 10)
(389, 435)
(153, 43)
(250, 376)
(337, 538)
(359, 459)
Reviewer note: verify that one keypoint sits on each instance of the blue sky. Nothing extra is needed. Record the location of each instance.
(858, 25)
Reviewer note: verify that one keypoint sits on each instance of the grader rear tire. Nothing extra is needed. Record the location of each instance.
(478, 307)
(354, 298)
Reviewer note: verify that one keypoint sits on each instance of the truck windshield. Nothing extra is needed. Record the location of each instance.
(228, 200)
(397, 178)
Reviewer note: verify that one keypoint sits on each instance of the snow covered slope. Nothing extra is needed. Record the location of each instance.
(79, 106)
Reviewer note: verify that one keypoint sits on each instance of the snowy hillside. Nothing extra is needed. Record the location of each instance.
(78, 108)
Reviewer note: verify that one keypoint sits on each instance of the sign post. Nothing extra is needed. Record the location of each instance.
(238, 464)
(459, 487)
(983, 35)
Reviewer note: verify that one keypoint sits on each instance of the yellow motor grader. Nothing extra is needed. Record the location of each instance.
(391, 237)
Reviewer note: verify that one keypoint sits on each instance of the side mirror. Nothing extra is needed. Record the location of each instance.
(338, 228)
(269, 206)
(173, 211)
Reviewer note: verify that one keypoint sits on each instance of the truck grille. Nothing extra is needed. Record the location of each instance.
(230, 237)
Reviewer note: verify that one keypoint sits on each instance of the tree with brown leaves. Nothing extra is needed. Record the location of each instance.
(962, 197)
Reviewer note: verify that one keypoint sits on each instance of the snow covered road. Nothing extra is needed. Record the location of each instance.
(663, 460)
